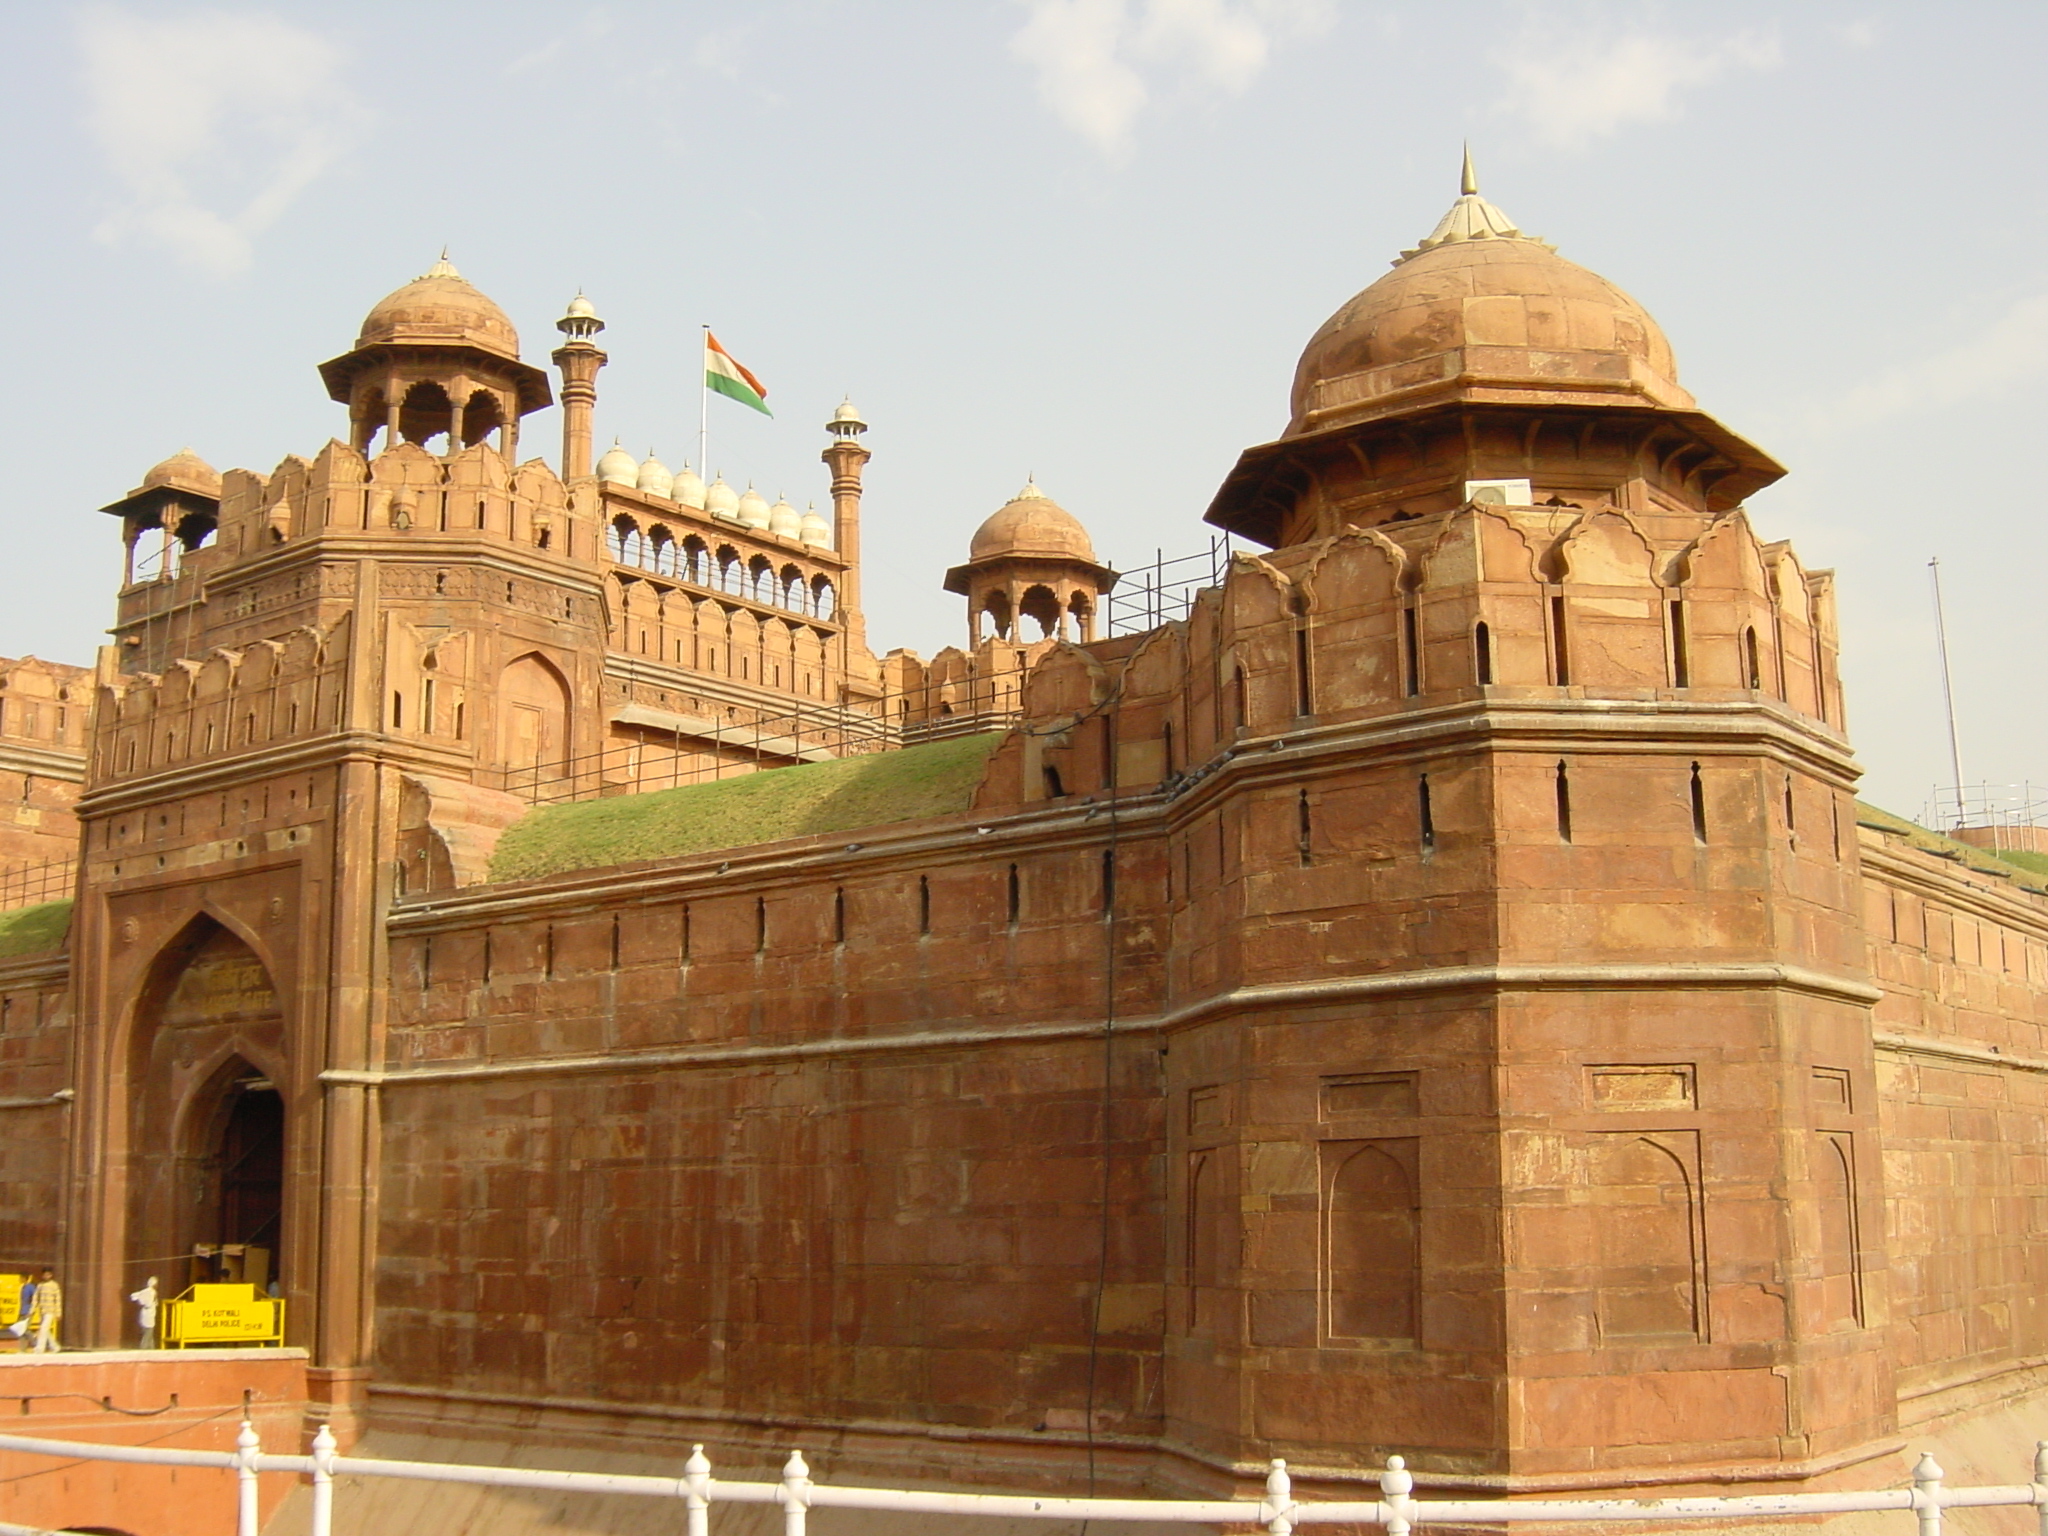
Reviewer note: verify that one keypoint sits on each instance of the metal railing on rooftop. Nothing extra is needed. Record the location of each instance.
(1278, 1512)
(28, 885)
(1164, 591)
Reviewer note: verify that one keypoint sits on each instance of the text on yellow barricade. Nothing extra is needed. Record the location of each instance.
(223, 1314)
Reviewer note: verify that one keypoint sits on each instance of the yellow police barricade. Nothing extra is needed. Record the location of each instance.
(223, 1314)
(10, 1299)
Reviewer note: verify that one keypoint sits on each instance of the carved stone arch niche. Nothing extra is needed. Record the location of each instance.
(533, 697)
(206, 1118)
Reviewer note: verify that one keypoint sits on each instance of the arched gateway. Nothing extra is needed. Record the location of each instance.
(206, 1123)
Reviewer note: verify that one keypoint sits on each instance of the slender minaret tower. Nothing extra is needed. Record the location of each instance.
(845, 458)
(578, 358)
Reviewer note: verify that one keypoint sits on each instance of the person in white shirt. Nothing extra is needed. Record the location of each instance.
(46, 1312)
(145, 1311)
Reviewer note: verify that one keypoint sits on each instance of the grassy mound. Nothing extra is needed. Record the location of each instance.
(938, 779)
(31, 930)
(2034, 864)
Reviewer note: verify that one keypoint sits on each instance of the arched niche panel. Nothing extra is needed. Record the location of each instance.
(1372, 1240)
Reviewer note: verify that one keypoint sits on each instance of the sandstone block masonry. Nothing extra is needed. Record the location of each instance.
(1437, 995)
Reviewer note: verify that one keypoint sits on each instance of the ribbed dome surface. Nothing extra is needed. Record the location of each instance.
(1503, 309)
(1033, 525)
(441, 306)
(185, 471)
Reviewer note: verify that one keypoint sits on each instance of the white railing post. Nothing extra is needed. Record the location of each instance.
(796, 1494)
(696, 1493)
(247, 1510)
(1396, 1483)
(323, 1483)
(1927, 1493)
(2041, 1484)
(1277, 1510)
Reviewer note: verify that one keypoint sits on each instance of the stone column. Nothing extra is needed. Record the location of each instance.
(845, 458)
(578, 362)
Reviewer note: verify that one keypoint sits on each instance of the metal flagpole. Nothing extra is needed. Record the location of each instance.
(1948, 691)
(704, 407)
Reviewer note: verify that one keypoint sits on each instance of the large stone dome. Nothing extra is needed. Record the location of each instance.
(1480, 304)
(1034, 526)
(440, 306)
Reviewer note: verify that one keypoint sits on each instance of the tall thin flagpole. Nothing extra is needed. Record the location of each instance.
(1948, 691)
(704, 409)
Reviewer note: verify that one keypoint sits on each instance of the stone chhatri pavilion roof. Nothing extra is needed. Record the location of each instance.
(440, 305)
(1476, 314)
(184, 473)
(1032, 526)
(1477, 299)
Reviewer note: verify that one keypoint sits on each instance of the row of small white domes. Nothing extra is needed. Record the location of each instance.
(688, 489)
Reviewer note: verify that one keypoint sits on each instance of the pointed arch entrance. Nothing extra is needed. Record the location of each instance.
(208, 1125)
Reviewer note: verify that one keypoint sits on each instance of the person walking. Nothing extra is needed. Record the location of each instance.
(145, 1312)
(46, 1312)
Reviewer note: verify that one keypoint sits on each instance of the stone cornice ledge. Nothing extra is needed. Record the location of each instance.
(1955, 1050)
(1308, 994)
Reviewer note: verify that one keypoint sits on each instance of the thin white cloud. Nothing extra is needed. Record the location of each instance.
(1571, 90)
(2010, 350)
(212, 122)
(1099, 62)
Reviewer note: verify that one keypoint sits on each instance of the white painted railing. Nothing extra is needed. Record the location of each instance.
(1278, 1512)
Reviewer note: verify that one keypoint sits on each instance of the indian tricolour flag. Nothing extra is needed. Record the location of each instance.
(724, 373)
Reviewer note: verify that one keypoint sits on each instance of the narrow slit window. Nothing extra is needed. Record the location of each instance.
(1108, 882)
(924, 904)
(1752, 659)
(760, 924)
(1482, 653)
(397, 713)
(1015, 896)
(1564, 803)
(1791, 822)
(1304, 692)
(614, 957)
(1411, 651)
(1304, 831)
(1560, 644)
(1427, 815)
(427, 707)
(1054, 789)
(547, 950)
(1240, 699)
(1699, 806)
(1681, 662)
(839, 915)
(683, 944)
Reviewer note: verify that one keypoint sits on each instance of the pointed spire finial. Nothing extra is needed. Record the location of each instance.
(444, 267)
(1468, 183)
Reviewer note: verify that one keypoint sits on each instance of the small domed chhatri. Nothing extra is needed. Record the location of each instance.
(618, 466)
(1031, 523)
(1480, 303)
(440, 305)
(182, 471)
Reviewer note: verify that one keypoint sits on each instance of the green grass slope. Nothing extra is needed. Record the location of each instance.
(2032, 865)
(938, 779)
(31, 930)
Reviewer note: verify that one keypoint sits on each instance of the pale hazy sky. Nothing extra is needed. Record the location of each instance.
(1080, 238)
